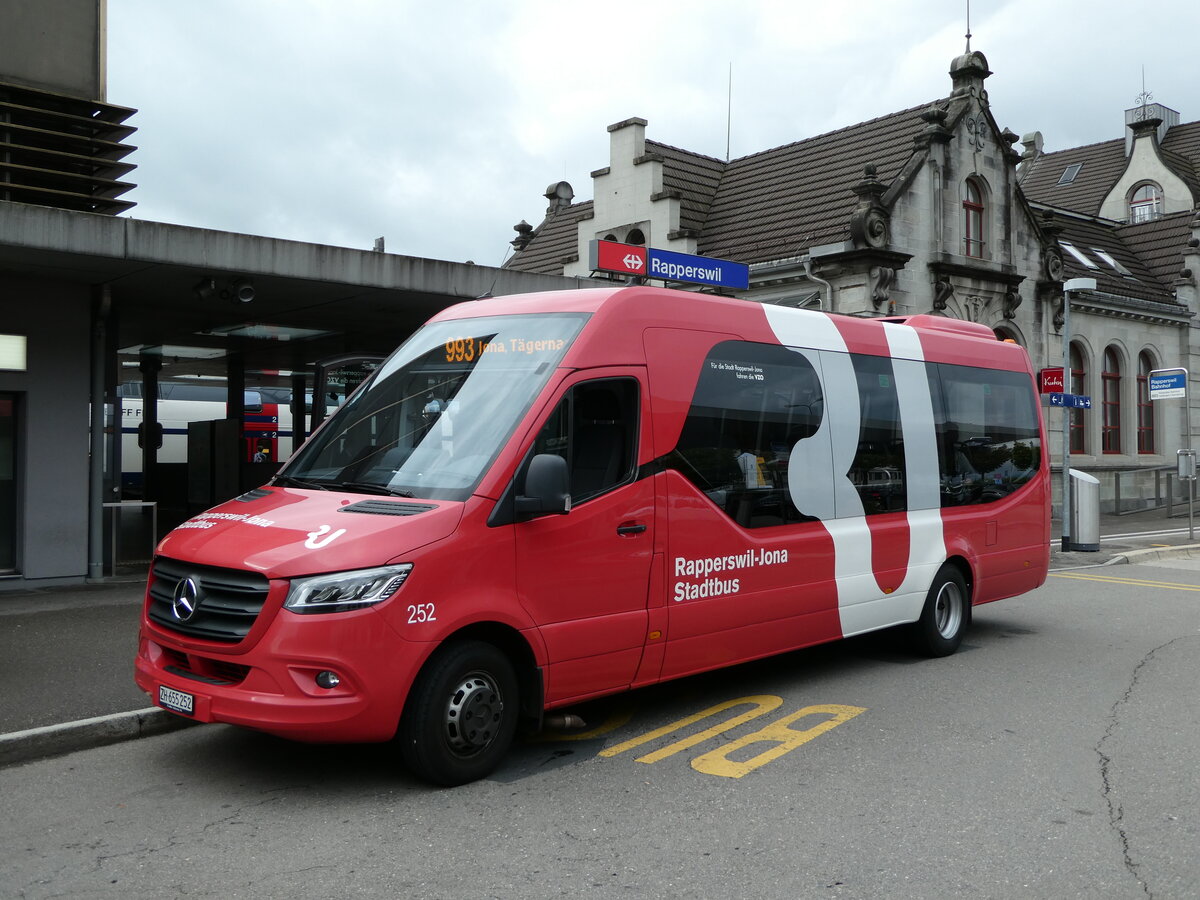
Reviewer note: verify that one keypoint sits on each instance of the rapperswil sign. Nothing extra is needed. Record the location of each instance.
(667, 265)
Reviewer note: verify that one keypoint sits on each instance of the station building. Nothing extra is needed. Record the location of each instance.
(942, 209)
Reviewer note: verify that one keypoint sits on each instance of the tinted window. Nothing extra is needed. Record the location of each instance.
(753, 403)
(988, 438)
(878, 470)
(594, 428)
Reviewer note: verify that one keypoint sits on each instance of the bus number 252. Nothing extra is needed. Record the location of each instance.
(421, 612)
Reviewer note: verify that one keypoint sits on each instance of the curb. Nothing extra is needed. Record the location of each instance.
(1186, 551)
(85, 734)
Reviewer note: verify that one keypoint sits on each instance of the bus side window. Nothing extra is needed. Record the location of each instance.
(752, 405)
(879, 471)
(594, 428)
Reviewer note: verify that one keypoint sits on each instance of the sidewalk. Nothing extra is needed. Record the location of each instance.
(66, 654)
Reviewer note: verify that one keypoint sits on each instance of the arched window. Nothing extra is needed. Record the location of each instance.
(1110, 378)
(1145, 434)
(1145, 203)
(1006, 334)
(973, 209)
(635, 236)
(1078, 386)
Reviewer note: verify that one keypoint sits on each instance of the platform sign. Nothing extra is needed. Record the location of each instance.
(1050, 380)
(1074, 401)
(1167, 384)
(667, 265)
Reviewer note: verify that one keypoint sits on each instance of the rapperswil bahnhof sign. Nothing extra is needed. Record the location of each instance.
(667, 265)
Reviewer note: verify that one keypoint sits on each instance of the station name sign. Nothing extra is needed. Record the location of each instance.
(667, 265)
(1167, 384)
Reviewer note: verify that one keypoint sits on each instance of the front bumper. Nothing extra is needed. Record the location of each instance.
(272, 687)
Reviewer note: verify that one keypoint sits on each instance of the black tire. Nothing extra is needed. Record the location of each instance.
(461, 715)
(945, 616)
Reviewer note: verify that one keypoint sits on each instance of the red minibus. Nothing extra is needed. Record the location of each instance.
(546, 498)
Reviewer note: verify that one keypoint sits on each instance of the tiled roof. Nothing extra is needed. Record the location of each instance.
(777, 203)
(769, 205)
(1090, 235)
(694, 177)
(1181, 150)
(552, 242)
(1102, 165)
(1160, 243)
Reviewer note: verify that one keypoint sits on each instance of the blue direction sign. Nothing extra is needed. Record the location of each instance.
(670, 266)
(1075, 401)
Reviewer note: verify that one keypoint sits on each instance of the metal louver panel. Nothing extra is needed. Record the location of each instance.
(63, 151)
(387, 508)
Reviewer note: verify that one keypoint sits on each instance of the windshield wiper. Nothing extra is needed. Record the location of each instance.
(370, 488)
(293, 481)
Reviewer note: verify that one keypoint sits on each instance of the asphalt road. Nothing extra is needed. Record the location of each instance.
(1054, 756)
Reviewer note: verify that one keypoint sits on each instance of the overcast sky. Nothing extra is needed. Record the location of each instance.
(439, 126)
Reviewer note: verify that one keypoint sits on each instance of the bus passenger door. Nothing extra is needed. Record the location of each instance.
(584, 576)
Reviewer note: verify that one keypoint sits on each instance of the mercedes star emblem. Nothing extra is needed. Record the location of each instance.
(186, 598)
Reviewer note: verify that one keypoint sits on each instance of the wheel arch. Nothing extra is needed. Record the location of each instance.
(513, 645)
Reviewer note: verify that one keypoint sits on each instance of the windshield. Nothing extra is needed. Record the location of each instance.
(432, 419)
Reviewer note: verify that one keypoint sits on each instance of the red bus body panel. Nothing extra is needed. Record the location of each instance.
(680, 588)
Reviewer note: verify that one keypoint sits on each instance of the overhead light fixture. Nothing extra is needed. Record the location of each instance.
(242, 289)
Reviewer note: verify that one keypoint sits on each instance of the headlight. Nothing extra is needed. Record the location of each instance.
(345, 590)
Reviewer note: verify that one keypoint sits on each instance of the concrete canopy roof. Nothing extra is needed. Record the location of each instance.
(365, 301)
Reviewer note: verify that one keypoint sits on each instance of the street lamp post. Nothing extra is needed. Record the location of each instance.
(1069, 288)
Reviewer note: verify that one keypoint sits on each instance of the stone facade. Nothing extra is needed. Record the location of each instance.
(932, 210)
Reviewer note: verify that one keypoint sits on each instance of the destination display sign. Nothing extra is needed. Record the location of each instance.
(667, 265)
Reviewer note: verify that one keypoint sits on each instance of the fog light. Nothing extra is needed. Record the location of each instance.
(328, 679)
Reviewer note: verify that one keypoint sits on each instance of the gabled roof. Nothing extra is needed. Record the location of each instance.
(553, 242)
(1100, 167)
(766, 206)
(694, 177)
(1160, 243)
(1087, 236)
(779, 202)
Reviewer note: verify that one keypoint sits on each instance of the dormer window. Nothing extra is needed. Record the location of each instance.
(1080, 256)
(1108, 258)
(1070, 173)
(1146, 202)
(973, 218)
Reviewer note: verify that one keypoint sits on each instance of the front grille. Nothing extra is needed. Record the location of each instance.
(228, 600)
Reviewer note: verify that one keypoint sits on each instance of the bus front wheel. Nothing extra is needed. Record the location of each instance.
(461, 714)
(945, 615)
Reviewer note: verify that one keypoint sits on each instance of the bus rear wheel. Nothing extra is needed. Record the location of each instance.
(945, 615)
(461, 715)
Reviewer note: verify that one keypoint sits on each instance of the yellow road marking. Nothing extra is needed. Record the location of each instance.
(1135, 582)
(779, 737)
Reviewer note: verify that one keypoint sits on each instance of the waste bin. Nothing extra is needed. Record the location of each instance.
(1085, 512)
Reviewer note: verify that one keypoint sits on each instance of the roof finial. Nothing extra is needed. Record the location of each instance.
(968, 26)
(1143, 99)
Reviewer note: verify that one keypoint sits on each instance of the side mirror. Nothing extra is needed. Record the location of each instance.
(547, 487)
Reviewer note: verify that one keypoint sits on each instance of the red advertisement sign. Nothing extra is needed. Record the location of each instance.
(1050, 381)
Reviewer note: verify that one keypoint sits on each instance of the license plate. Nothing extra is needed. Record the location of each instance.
(176, 701)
